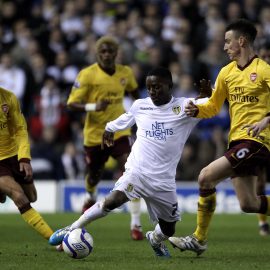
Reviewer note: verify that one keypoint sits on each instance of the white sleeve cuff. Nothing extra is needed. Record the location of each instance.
(90, 107)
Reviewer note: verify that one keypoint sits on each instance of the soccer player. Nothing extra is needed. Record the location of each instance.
(16, 176)
(99, 90)
(245, 83)
(162, 130)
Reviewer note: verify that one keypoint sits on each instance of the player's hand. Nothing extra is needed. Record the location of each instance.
(191, 109)
(205, 89)
(254, 130)
(107, 139)
(102, 105)
(27, 168)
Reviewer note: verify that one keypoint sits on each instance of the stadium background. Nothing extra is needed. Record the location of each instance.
(44, 44)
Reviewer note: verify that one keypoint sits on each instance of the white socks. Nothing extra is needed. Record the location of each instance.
(158, 236)
(94, 212)
(135, 212)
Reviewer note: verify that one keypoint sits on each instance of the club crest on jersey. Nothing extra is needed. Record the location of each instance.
(176, 109)
(123, 81)
(5, 108)
(129, 188)
(253, 76)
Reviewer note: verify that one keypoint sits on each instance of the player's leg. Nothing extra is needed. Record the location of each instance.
(245, 188)
(264, 228)
(163, 210)
(209, 177)
(100, 209)
(163, 230)
(134, 207)
(254, 155)
(30, 191)
(120, 152)
(250, 202)
(95, 160)
(13, 190)
(242, 159)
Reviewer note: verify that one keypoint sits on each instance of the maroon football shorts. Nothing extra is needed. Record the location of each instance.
(247, 157)
(10, 166)
(97, 157)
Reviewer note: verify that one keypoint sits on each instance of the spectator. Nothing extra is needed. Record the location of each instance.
(12, 77)
(72, 162)
(47, 157)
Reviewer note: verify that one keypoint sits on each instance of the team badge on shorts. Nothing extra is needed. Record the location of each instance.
(253, 76)
(176, 109)
(129, 188)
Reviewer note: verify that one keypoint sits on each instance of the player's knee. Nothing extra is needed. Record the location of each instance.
(167, 228)
(19, 198)
(204, 179)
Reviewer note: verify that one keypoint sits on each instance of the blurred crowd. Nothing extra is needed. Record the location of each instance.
(44, 44)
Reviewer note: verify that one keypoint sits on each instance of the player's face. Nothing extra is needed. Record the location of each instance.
(106, 55)
(158, 90)
(232, 45)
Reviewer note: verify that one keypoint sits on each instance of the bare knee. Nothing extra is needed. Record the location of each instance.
(19, 198)
(205, 179)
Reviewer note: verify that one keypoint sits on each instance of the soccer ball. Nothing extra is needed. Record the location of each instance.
(78, 243)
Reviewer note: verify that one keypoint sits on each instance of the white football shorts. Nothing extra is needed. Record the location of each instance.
(160, 204)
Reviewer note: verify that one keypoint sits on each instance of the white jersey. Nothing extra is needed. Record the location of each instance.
(162, 132)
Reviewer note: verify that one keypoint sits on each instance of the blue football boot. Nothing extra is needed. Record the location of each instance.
(58, 236)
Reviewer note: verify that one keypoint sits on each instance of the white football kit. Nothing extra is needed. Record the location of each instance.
(151, 166)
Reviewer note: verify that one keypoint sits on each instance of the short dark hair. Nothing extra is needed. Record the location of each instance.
(161, 72)
(243, 27)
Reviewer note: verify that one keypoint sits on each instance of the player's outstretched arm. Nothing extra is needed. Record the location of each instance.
(254, 130)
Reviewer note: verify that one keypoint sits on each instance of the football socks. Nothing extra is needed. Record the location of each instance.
(206, 209)
(35, 220)
(135, 212)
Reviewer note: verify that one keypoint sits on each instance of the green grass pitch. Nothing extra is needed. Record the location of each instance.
(234, 243)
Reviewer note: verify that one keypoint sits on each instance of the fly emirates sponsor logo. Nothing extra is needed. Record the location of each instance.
(238, 95)
(159, 132)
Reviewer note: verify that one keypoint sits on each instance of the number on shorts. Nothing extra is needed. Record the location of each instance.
(175, 206)
(242, 153)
